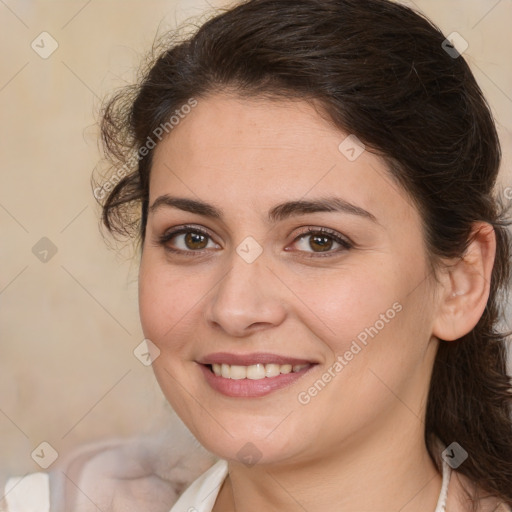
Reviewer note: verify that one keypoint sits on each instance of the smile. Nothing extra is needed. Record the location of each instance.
(255, 371)
(252, 375)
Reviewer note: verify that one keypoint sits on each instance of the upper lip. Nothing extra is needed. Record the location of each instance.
(250, 359)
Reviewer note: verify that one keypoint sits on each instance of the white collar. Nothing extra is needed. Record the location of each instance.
(201, 495)
(443, 496)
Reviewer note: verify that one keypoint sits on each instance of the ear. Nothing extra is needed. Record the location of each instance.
(466, 286)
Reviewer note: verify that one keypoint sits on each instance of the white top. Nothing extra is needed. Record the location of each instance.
(32, 492)
(200, 496)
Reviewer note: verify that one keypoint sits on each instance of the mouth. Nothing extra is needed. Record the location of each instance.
(252, 375)
(255, 371)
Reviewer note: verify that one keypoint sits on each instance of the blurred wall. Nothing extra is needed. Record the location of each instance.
(68, 303)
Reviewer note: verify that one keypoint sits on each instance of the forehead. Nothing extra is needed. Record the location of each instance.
(260, 152)
(228, 130)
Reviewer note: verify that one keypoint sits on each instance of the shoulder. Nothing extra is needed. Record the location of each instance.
(201, 495)
(24, 493)
(458, 500)
(150, 471)
(147, 472)
(462, 492)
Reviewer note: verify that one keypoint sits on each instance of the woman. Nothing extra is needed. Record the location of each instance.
(324, 258)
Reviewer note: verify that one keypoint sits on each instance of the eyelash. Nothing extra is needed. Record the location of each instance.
(344, 242)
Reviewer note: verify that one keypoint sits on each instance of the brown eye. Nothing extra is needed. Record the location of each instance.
(322, 240)
(195, 240)
(324, 243)
(186, 240)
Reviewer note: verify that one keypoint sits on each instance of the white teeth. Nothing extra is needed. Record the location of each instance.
(254, 371)
(272, 370)
(286, 368)
(237, 372)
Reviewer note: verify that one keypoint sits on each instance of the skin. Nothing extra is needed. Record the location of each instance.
(358, 444)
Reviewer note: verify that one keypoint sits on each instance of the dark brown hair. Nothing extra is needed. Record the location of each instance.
(380, 71)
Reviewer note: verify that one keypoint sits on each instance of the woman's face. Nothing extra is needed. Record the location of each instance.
(247, 291)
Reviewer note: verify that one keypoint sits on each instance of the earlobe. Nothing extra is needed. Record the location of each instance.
(466, 286)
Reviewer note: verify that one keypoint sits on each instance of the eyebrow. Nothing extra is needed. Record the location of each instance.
(277, 213)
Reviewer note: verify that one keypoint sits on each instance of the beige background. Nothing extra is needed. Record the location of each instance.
(69, 326)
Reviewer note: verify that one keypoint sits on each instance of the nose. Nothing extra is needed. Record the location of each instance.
(247, 299)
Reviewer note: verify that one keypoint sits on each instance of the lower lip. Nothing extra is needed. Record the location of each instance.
(248, 388)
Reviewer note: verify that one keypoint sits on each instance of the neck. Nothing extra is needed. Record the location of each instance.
(384, 472)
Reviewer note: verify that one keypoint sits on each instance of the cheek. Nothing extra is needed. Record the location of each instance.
(166, 299)
(369, 321)
(348, 304)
